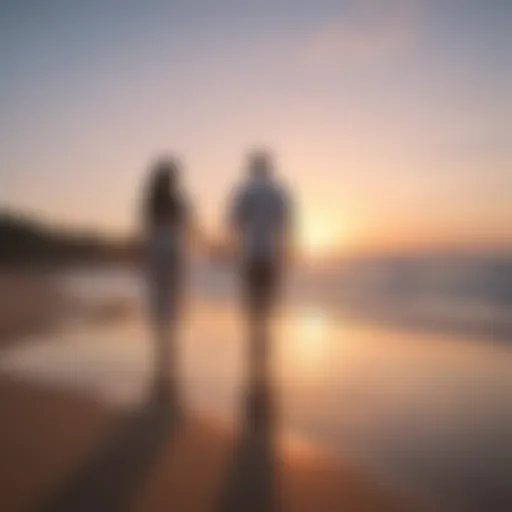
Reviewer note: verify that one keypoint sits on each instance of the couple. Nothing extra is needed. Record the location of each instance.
(260, 221)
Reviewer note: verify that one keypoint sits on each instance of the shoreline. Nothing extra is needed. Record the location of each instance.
(30, 302)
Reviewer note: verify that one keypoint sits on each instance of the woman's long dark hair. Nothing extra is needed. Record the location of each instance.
(164, 202)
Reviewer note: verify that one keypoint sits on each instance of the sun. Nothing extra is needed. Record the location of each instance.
(317, 241)
(319, 237)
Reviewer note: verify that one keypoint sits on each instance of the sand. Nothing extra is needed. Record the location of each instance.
(65, 452)
(29, 302)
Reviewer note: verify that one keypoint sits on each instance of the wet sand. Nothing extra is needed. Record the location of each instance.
(29, 302)
(33, 302)
(43, 436)
(65, 452)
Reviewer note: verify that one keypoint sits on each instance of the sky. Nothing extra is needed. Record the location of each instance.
(390, 120)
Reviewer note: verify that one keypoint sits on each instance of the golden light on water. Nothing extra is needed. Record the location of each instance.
(310, 332)
(312, 326)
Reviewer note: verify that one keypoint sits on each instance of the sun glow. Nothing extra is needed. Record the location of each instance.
(320, 236)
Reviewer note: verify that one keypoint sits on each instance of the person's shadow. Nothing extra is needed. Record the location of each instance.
(108, 479)
(252, 480)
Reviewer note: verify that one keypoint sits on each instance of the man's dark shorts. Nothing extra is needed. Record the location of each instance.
(261, 283)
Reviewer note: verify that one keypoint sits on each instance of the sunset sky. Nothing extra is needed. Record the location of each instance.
(390, 120)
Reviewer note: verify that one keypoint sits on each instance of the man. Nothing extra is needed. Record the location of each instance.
(260, 219)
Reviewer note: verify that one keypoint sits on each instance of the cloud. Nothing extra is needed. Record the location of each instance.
(368, 32)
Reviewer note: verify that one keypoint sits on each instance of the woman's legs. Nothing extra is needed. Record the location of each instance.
(164, 302)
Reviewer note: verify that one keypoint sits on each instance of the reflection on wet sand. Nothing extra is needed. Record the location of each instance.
(431, 398)
(252, 484)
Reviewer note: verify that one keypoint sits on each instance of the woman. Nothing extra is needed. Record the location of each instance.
(165, 220)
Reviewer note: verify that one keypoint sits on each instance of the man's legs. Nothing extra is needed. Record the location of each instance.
(260, 291)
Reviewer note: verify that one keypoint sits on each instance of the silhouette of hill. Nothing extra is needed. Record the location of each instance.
(26, 240)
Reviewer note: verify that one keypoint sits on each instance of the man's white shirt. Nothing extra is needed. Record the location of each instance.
(261, 214)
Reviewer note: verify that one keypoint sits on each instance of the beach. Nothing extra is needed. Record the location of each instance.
(48, 437)
(357, 417)
(29, 302)
(64, 449)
